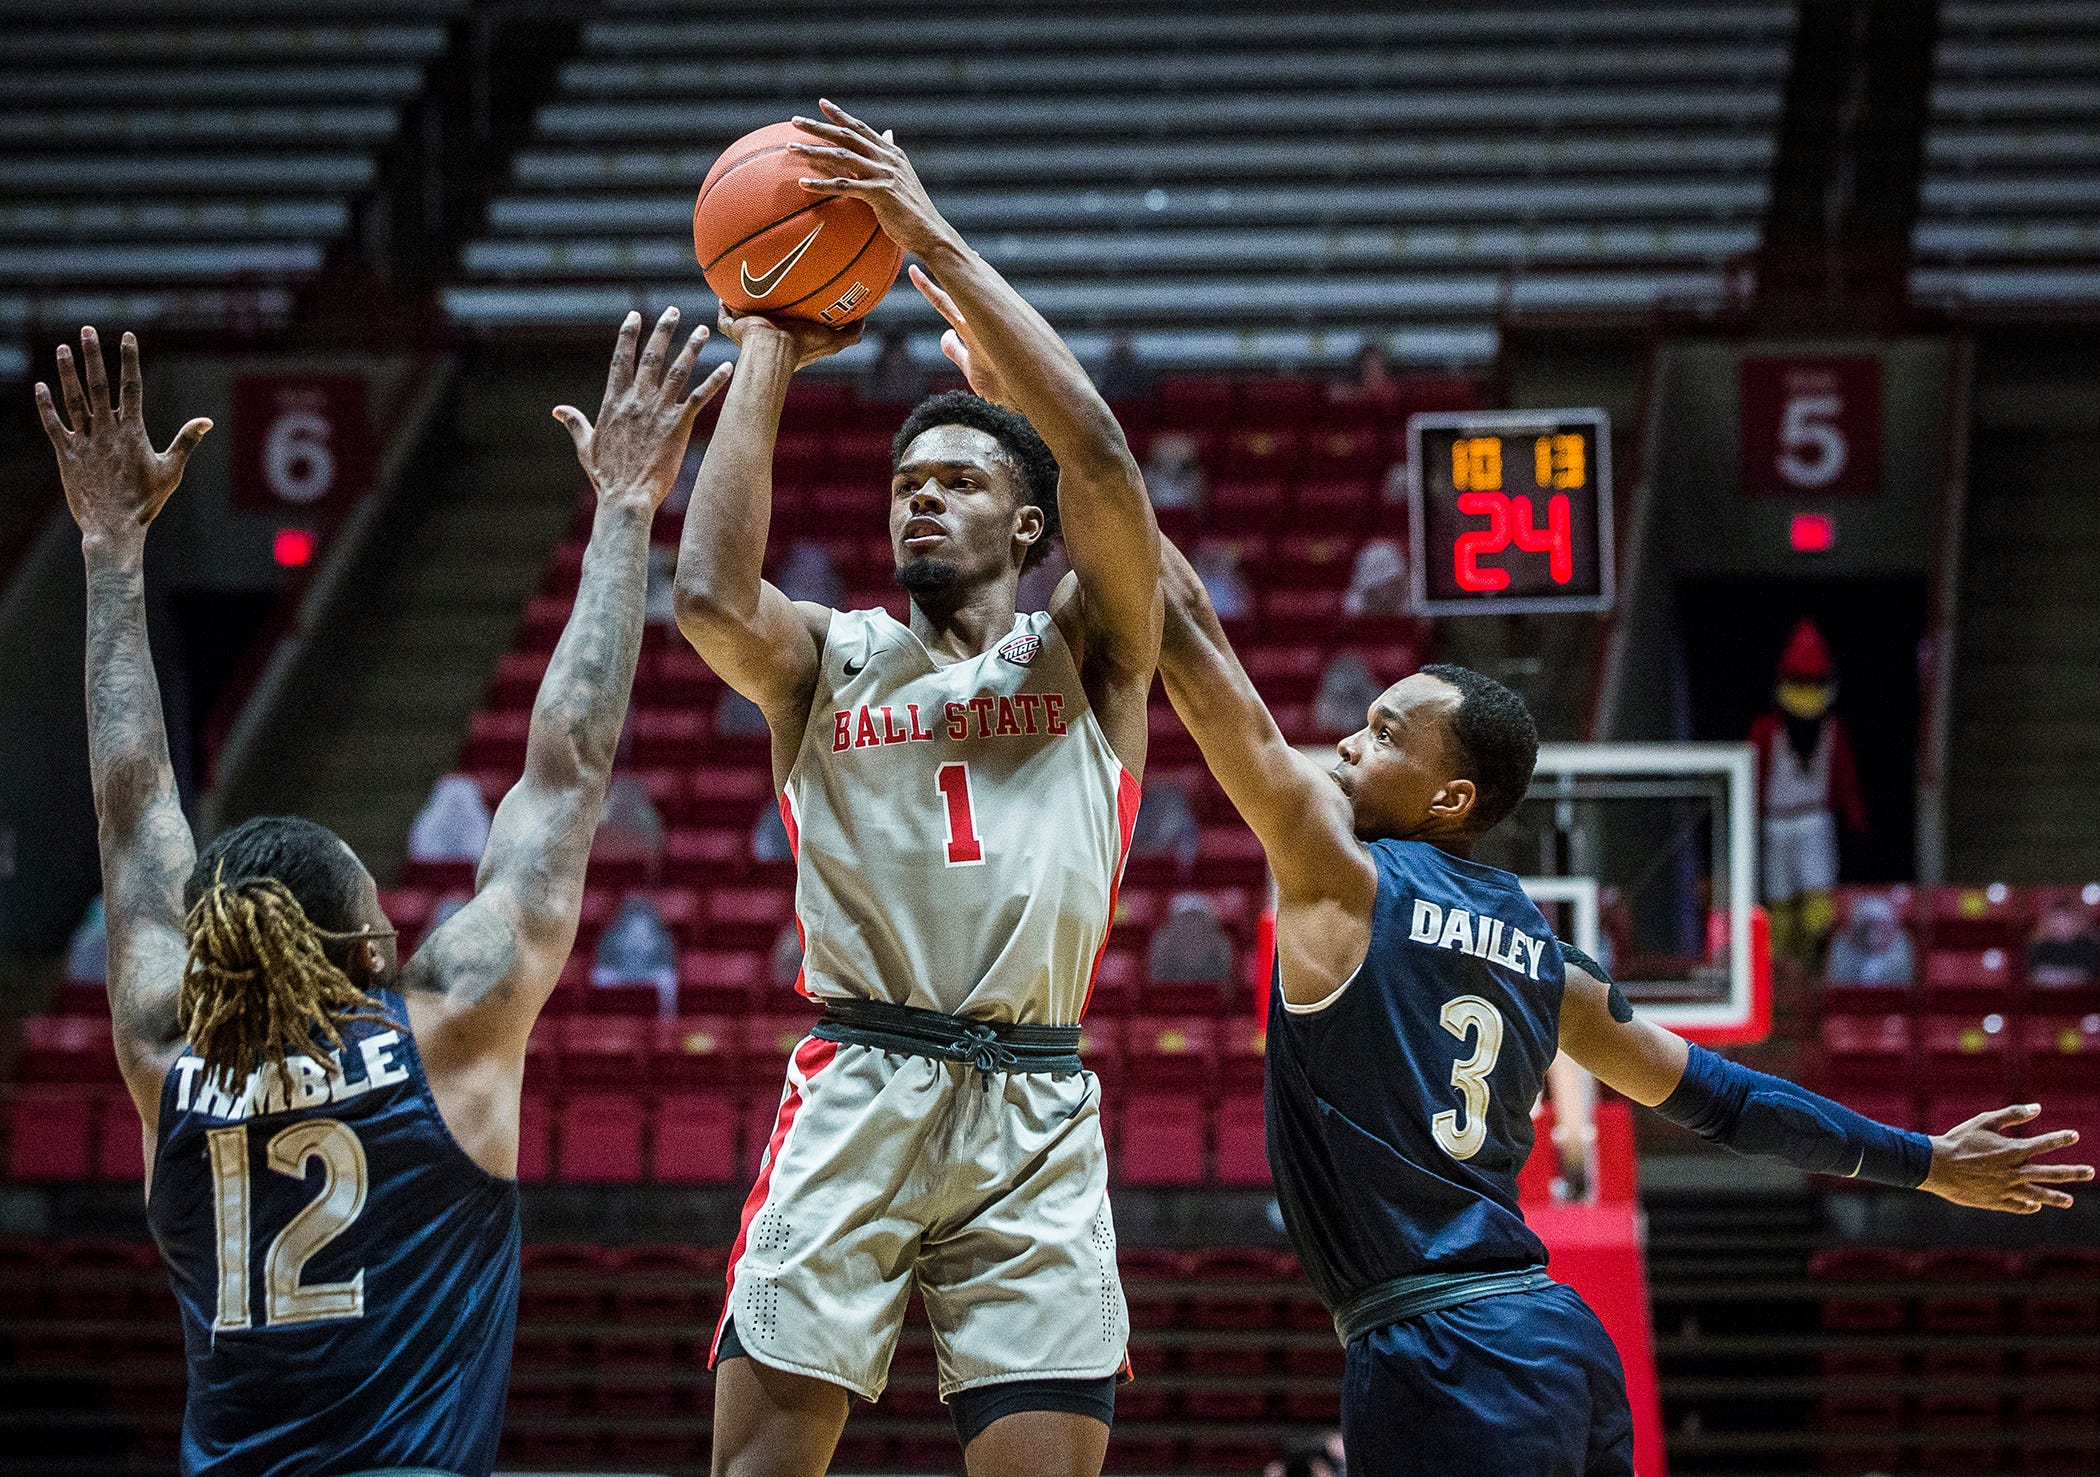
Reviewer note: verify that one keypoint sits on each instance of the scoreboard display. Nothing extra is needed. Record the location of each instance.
(1510, 511)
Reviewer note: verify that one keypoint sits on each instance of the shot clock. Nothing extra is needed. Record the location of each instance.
(1510, 511)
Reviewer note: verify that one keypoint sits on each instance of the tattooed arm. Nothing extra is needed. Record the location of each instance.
(476, 986)
(115, 484)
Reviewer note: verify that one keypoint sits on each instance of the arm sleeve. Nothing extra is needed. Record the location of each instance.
(1752, 1113)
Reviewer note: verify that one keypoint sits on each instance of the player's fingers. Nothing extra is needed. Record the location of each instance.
(649, 376)
(709, 387)
(578, 427)
(936, 294)
(97, 372)
(840, 186)
(2054, 1199)
(860, 144)
(2046, 1143)
(2000, 1119)
(48, 414)
(185, 442)
(845, 119)
(681, 368)
(131, 400)
(2057, 1174)
(69, 386)
(957, 351)
(621, 375)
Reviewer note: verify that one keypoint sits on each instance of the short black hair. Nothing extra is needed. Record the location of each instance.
(1497, 742)
(1029, 453)
(313, 863)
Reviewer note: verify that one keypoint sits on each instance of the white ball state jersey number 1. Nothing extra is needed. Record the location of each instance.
(959, 830)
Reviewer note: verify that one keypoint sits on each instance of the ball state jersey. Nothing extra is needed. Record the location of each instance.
(1399, 1110)
(348, 1277)
(959, 830)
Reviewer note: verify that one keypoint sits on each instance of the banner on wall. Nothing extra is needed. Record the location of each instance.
(301, 442)
(1810, 426)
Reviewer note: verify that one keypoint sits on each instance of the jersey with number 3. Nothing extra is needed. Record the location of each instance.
(347, 1276)
(959, 829)
(1399, 1108)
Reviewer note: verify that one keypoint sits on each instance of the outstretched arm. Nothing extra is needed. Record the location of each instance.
(1324, 877)
(1974, 1163)
(764, 645)
(485, 974)
(1109, 529)
(115, 485)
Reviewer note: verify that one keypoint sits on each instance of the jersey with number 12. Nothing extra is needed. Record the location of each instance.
(959, 829)
(347, 1276)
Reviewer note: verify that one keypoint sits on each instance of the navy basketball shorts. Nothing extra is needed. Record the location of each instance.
(1527, 1384)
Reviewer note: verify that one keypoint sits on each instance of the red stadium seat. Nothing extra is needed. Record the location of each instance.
(535, 1139)
(1866, 1050)
(517, 681)
(1343, 451)
(80, 997)
(1339, 503)
(599, 1138)
(120, 1145)
(2072, 1303)
(1286, 671)
(1975, 1309)
(51, 1133)
(1988, 974)
(1301, 614)
(730, 797)
(627, 1000)
(719, 853)
(1979, 917)
(603, 1050)
(1162, 1139)
(720, 980)
(739, 917)
(562, 1282)
(1246, 506)
(2060, 1051)
(1230, 856)
(68, 1048)
(692, 1139)
(1194, 401)
(1861, 1265)
(676, 677)
(1966, 1051)
(1278, 400)
(496, 740)
(694, 1052)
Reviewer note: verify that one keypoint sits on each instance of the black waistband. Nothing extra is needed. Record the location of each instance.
(1430, 1292)
(949, 1038)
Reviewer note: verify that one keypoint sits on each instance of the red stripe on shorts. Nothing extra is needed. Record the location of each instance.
(794, 834)
(811, 1057)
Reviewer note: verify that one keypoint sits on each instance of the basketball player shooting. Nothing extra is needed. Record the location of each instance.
(960, 793)
(332, 1141)
(1419, 997)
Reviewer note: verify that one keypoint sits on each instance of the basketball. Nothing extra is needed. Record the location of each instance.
(766, 245)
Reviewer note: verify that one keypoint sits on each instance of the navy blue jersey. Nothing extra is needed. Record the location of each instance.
(348, 1277)
(1399, 1111)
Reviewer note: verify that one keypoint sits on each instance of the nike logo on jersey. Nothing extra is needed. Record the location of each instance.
(767, 280)
(1486, 938)
(855, 668)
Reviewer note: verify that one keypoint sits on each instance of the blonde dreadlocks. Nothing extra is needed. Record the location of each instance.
(259, 984)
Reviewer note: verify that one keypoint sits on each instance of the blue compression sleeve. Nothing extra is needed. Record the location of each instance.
(1752, 1113)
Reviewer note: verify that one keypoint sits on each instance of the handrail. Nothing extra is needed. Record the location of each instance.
(1942, 607)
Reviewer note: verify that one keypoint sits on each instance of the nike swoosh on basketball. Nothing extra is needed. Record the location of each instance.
(766, 281)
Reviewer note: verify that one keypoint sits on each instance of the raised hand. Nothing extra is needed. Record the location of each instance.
(1977, 1165)
(855, 160)
(960, 345)
(807, 338)
(116, 483)
(635, 447)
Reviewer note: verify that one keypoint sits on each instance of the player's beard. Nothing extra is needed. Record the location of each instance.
(932, 583)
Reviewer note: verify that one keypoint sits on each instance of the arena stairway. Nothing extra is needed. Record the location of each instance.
(384, 693)
(2023, 774)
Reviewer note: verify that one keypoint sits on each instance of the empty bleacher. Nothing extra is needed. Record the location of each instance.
(2009, 214)
(174, 165)
(1237, 185)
